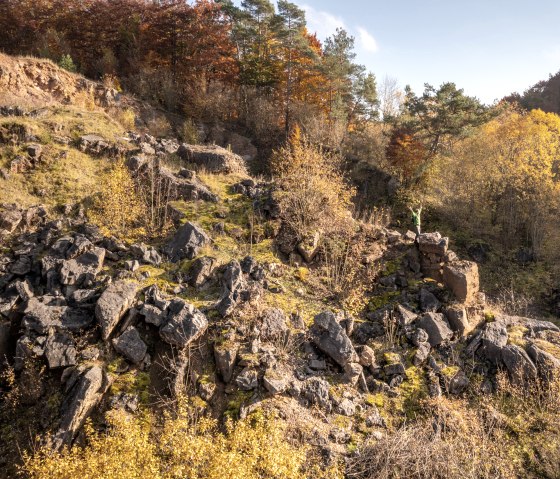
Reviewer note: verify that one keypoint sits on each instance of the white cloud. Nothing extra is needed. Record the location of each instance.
(367, 41)
(321, 22)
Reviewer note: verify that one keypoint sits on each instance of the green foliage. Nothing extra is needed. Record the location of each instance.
(67, 63)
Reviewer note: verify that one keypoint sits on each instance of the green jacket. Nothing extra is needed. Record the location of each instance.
(416, 217)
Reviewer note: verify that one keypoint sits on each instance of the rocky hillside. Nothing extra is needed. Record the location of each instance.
(225, 307)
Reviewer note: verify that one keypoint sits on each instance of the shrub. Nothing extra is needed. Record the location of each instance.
(314, 195)
(182, 447)
(117, 209)
(67, 63)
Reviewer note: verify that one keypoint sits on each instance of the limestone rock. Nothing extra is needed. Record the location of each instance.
(274, 324)
(461, 277)
(187, 242)
(225, 356)
(519, 365)
(130, 345)
(185, 324)
(457, 317)
(433, 243)
(60, 350)
(200, 271)
(331, 338)
(113, 303)
(44, 312)
(493, 339)
(85, 393)
(437, 328)
(82, 270)
(212, 158)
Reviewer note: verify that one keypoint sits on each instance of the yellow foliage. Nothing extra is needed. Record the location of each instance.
(313, 193)
(180, 448)
(504, 179)
(118, 208)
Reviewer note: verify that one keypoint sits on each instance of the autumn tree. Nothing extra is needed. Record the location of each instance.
(504, 180)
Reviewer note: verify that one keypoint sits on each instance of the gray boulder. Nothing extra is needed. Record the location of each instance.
(457, 318)
(519, 365)
(274, 382)
(113, 303)
(331, 338)
(81, 271)
(60, 350)
(247, 380)
(346, 407)
(548, 365)
(437, 328)
(433, 243)
(421, 354)
(187, 242)
(146, 254)
(10, 219)
(200, 271)
(274, 324)
(130, 345)
(316, 391)
(185, 324)
(405, 316)
(458, 383)
(44, 312)
(212, 158)
(493, 339)
(152, 314)
(85, 393)
(461, 277)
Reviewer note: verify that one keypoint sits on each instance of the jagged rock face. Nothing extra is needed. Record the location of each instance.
(130, 345)
(331, 338)
(187, 242)
(213, 158)
(112, 305)
(84, 393)
(437, 328)
(44, 312)
(461, 277)
(184, 324)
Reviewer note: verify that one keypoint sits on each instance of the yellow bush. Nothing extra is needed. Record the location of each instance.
(314, 194)
(118, 208)
(180, 448)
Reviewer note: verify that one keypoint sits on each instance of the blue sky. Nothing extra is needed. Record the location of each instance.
(488, 47)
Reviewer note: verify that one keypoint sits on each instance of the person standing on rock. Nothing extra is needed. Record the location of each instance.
(416, 220)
